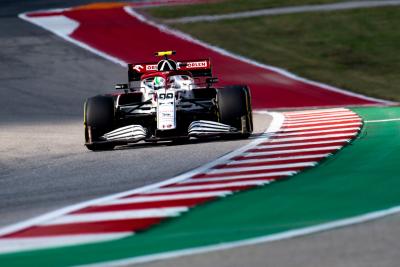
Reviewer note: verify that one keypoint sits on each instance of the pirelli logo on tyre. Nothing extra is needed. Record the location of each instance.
(197, 64)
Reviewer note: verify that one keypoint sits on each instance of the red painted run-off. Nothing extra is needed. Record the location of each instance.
(123, 36)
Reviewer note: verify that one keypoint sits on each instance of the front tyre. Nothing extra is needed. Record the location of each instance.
(98, 119)
(234, 108)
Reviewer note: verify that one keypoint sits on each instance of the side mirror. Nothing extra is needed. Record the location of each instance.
(121, 86)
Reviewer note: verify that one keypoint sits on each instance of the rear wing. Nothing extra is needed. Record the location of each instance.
(198, 68)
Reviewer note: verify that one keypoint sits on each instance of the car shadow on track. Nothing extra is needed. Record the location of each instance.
(187, 142)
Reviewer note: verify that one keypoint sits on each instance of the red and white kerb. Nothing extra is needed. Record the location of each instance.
(304, 138)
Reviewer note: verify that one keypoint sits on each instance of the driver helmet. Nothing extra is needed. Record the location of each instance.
(158, 82)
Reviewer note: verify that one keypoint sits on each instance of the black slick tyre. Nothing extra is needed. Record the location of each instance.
(98, 120)
(234, 108)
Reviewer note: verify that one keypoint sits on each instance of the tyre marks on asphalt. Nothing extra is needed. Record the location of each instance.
(284, 150)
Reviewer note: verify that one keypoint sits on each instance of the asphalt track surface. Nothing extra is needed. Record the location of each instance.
(43, 163)
(370, 244)
(44, 166)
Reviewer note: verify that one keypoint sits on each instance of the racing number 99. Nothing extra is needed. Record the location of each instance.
(166, 96)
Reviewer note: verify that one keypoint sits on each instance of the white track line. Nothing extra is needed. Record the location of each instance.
(266, 167)
(285, 10)
(117, 215)
(387, 120)
(322, 118)
(232, 178)
(221, 179)
(321, 123)
(325, 136)
(210, 186)
(322, 112)
(56, 30)
(333, 121)
(8, 245)
(61, 24)
(266, 160)
(289, 151)
(319, 116)
(253, 241)
(290, 129)
(325, 120)
(301, 144)
(318, 111)
(355, 129)
(146, 199)
(250, 176)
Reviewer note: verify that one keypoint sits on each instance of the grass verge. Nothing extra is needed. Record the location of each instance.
(227, 6)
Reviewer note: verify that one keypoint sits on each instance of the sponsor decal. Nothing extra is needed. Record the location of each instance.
(151, 67)
(138, 68)
(166, 113)
(196, 64)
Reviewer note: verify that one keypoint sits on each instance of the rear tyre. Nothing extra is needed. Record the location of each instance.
(99, 119)
(234, 108)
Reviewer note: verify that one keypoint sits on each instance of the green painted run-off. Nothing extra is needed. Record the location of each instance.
(362, 178)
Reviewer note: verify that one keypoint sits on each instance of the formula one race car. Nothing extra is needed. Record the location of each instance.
(168, 100)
